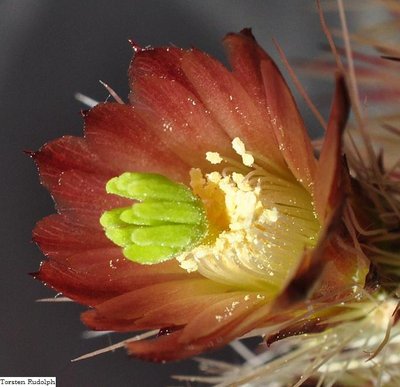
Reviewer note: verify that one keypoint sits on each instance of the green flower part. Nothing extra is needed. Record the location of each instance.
(169, 219)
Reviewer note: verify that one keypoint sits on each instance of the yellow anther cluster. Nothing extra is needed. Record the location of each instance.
(260, 224)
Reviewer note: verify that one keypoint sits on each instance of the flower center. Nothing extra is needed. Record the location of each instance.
(260, 223)
(246, 224)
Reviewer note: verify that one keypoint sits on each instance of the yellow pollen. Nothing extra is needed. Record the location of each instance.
(260, 224)
(214, 157)
(269, 215)
(240, 149)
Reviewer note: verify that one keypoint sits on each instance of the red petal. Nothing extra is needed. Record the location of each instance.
(168, 101)
(123, 141)
(344, 268)
(64, 154)
(96, 276)
(327, 181)
(109, 263)
(181, 120)
(229, 102)
(163, 63)
(82, 288)
(164, 348)
(84, 196)
(174, 313)
(331, 269)
(210, 333)
(178, 312)
(138, 303)
(245, 56)
(59, 236)
(218, 316)
(289, 128)
(303, 327)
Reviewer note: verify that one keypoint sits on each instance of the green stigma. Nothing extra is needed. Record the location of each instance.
(169, 219)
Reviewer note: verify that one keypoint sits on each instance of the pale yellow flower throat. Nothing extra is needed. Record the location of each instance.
(260, 223)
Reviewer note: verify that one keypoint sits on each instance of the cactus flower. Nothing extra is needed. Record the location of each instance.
(199, 208)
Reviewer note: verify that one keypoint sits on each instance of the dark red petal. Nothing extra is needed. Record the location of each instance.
(64, 154)
(96, 276)
(217, 316)
(108, 263)
(328, 190)
(176, 312)
(121, 313)
(310, 325)
(229, 103)
(289, 128)
(120, 137)
(163, 63)
(206, 333)
(59, 236)
(82, 288)
(164, 348)
(83, 196)
(344, 267)
(245, 56)
(171, 108)
(331, 269)
(180, 120)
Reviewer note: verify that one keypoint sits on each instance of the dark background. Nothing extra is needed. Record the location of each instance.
(49, 50)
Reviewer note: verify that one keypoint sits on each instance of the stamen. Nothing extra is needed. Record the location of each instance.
(263, 224)
(214, 157)
(240, 149)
